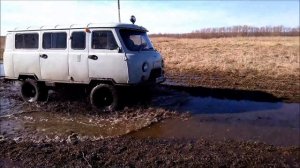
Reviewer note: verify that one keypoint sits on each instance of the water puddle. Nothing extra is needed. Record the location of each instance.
(215, 114)
(53, 125)
(212, 118)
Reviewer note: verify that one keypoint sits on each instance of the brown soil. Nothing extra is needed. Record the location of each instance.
(126, 151)
(286, 88)
(129, 152)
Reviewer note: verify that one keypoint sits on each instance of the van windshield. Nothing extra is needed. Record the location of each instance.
(136, 40)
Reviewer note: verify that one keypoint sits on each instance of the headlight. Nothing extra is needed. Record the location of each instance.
(145, 67)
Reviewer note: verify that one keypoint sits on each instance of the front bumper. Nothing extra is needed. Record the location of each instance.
(156, 76)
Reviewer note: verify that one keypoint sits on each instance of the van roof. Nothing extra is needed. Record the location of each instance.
(79, 26)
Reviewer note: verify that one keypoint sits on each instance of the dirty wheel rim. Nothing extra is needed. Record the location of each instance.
(29, 91)
(103, 98)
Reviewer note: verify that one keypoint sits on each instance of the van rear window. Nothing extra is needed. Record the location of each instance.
(55, 40)
(27, 41)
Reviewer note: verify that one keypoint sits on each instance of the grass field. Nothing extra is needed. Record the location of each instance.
(269, 56)
(253, 63)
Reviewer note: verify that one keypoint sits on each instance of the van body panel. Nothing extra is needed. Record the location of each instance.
(109, 66)
(55, 66)
(26, 62)
(78, 60)
(110, 63)
(136, 61)
(71, 65)
(8, 56)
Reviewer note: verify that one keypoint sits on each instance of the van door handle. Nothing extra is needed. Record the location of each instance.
(44, 56)
(93, 57)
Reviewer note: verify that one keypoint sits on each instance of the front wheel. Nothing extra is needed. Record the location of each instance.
(104, 97)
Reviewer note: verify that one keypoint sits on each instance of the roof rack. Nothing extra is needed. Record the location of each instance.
(89, 25)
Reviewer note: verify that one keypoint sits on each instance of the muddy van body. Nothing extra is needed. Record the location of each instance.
(99, 56)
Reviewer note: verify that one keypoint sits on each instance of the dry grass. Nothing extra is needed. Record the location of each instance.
(269, 56)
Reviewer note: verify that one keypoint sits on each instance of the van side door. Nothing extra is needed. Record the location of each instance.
(54, 55)
(78, 56)
(25, 58)
(105, 61)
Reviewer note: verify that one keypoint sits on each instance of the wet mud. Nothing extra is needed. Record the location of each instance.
(203, 124)
(275, 123)
(65, 114)
(131, 152)
(256, 86)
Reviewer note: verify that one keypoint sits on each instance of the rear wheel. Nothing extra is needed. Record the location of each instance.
(33, 91)
(104, 97)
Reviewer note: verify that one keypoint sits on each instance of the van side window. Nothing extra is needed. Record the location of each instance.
(78, 40)
(27, 41)
(103, 40)
(55, 40)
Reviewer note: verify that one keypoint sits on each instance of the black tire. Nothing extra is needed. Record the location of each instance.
(32, 91)
(104, 97)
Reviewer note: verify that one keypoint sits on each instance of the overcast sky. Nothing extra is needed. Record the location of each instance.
(156, 16)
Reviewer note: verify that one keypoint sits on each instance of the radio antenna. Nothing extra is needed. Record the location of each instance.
(119, 11)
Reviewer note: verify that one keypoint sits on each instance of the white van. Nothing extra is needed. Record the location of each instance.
(100, 56)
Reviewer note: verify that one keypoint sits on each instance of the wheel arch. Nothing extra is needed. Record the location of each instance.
(27, 76)
(94, 82)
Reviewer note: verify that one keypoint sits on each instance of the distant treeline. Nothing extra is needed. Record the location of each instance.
(236, 31)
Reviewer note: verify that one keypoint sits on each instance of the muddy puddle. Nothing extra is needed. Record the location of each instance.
(58, 126)
(275, 123)
(210, 116)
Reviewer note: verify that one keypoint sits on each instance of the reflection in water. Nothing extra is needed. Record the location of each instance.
(51, 124)
(208, 105)
(273, 123)
(212, 118)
